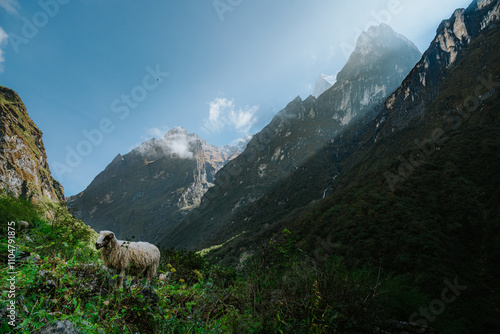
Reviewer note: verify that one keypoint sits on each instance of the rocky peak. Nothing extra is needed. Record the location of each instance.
(379, 46)
(464, 25)
(297, 132)
(152, 186)
(24, 170)
(379, 39)
(323, 83)
(453, 36)
(177, 131)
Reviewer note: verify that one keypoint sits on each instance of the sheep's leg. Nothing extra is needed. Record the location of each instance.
(116, 279)
(146, 275)
(120, 278)
(142, 274)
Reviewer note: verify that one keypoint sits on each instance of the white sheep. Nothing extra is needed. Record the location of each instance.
(125, 257)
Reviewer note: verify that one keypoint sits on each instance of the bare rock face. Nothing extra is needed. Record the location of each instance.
(148, 190)
(23, 162)
(378, 65)
(308, 148)
(422, 85)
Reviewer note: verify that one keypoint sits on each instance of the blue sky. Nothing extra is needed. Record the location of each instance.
(100, 77)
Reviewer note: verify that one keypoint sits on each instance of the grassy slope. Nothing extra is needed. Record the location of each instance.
(62, 278)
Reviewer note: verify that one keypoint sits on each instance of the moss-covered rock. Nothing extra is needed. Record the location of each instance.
(24, 170)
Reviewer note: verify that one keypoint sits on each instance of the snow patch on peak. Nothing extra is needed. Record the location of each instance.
(330, 78)
(323, 83)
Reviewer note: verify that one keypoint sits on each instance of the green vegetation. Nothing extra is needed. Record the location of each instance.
(59, 276)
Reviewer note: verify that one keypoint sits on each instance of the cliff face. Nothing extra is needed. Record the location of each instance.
(423, 83)
(428, 160)
(146, 191)
(23, 162)
(378, 65)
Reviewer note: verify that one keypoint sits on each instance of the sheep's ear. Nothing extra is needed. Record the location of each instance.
(112, 235)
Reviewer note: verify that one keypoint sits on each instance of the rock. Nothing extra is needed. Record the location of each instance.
(36, 258)
(43, 273)
(59, 327)
(24, 170)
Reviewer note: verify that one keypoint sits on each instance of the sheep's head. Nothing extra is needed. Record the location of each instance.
(104, 239)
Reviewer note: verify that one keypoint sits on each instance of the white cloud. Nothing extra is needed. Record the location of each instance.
(223, 113)
(177, 143)
(10, 6)
(3, 41)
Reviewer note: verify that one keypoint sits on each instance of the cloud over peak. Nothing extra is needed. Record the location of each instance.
(223, 114)
(174, 143)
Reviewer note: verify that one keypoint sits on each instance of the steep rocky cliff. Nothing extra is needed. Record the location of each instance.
(149, 189)
(378, 65)
(23, 162)
(423, 83)
(413, 190)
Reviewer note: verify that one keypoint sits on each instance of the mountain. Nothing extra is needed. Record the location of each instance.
(423, 84)
(150, 188)
(413, 123)
(323, 83)
(378, 65)
(413, 190)
(459, 97)
(24, 170)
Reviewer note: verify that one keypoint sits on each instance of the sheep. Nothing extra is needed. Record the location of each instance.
(134, 258)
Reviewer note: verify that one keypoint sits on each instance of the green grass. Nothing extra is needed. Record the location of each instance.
(276, 290)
